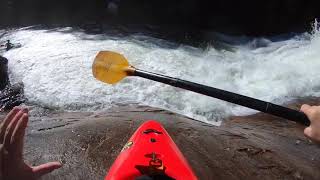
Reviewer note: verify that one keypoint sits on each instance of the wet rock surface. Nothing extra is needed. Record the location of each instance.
(10, 95)
(4, 78)
(252, 147)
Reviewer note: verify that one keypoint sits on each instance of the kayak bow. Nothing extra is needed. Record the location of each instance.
(150, 152)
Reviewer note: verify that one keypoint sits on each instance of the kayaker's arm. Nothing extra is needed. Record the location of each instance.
(313, 113)
(12, 165)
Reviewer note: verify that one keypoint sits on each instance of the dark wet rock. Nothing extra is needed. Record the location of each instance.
(252, 147)
(4, 77)
(10, 96)
(247, 16)
(92, 28)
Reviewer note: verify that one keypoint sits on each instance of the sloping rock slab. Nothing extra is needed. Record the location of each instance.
(252, 147)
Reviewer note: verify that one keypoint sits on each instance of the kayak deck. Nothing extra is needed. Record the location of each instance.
(152, 152)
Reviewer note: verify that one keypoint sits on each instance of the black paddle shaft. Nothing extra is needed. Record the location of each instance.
(249, 102)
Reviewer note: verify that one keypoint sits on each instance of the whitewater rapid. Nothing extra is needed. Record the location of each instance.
(55, 67)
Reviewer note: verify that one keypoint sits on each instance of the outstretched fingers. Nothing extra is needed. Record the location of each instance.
(7, 121)
(45, 168)
(18, 136)
(10, 129)
(1, 160)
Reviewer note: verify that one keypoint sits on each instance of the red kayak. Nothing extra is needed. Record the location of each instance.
(150, 154)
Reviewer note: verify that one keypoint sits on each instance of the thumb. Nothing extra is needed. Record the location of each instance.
(45, 168)
(308, 132)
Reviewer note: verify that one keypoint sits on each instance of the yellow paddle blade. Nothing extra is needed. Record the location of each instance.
(110, 67)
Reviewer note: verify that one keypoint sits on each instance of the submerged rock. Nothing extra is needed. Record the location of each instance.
(252, 147)
(4, 78)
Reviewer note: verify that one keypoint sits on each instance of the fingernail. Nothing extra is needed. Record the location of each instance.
(16, 108)
(25, 110)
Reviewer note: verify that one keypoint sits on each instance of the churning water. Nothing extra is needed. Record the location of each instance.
(55, 67)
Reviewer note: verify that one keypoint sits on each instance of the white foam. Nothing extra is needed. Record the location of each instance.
(55, 67)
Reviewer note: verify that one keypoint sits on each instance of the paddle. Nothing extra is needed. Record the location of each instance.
(111, 67)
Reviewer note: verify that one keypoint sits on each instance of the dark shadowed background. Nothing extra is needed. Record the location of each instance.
(252, 17)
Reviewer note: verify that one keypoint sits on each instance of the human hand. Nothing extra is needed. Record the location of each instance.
(313, 113)
(12, 165)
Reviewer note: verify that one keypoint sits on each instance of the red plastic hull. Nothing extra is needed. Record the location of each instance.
(149, 141)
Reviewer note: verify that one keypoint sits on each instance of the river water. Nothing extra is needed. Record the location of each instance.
(55, 67)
